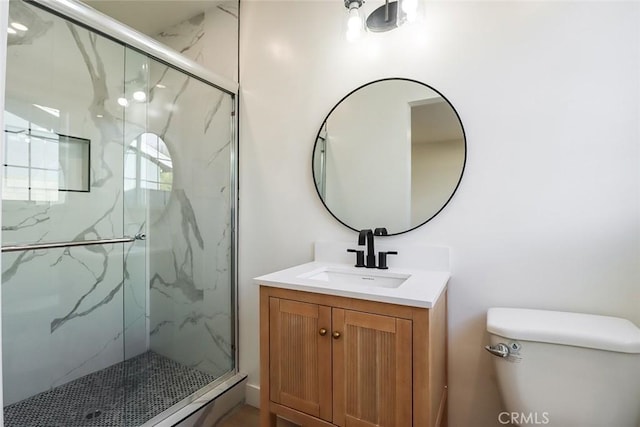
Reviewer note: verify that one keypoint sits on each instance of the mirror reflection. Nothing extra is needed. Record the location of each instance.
(389, 154)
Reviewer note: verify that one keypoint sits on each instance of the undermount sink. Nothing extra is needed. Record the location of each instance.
(360, 277)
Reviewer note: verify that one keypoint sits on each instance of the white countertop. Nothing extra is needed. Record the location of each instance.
(421, 289)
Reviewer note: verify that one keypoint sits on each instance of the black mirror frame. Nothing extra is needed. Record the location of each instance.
(464, 161)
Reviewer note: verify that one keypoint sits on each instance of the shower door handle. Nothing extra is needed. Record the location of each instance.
(52, 245)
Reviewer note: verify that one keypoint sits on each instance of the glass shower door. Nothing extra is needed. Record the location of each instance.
(103, 143)
(62, 310)
(177, 180)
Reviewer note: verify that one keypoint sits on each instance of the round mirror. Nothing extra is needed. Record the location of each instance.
(390, 154)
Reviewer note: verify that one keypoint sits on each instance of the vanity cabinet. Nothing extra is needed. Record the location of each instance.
(329, 360)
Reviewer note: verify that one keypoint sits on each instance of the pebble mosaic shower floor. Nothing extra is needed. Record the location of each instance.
(126, 394)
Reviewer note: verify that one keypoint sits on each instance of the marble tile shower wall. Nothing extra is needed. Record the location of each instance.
(209, 38)
(189, 233)
(70, 312)
(62, 308)
(196, 314)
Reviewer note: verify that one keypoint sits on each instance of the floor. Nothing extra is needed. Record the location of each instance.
(125, 394)
(248, 416)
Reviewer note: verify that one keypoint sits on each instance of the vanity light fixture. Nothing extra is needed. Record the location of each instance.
(355, 20)
(386, 17)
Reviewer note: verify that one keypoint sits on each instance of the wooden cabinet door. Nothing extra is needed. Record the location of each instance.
(372, 370)
(300, 356)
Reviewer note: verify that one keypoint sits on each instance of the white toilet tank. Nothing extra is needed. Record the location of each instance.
(566, 369)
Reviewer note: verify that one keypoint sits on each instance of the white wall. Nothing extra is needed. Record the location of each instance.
(547, 214)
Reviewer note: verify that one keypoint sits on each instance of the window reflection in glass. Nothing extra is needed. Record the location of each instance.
(148, 164)
(39, 163)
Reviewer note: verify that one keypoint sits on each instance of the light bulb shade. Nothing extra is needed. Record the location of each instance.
(354, 20)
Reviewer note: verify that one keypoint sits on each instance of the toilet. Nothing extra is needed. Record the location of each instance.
(565, 369)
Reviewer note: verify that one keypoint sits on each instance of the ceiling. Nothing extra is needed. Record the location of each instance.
(150, 17)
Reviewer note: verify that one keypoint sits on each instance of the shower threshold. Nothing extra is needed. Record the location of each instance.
(123, 395)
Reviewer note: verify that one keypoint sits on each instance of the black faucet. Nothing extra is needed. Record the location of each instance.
(366, 236)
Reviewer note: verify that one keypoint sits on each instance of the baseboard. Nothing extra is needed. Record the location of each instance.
(252, 396)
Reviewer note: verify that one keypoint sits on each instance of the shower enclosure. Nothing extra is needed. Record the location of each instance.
(118, 232)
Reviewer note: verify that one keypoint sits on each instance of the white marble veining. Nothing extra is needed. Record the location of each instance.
(190, 231)
(208, 38)
(422, 275)
(63, 312)
(189, 235)
(80, 12)
(62, 308)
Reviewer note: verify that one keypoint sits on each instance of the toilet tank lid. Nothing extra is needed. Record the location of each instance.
(559, 327)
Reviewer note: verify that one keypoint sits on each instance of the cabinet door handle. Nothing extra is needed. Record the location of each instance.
(322, 332)
(336, 335)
